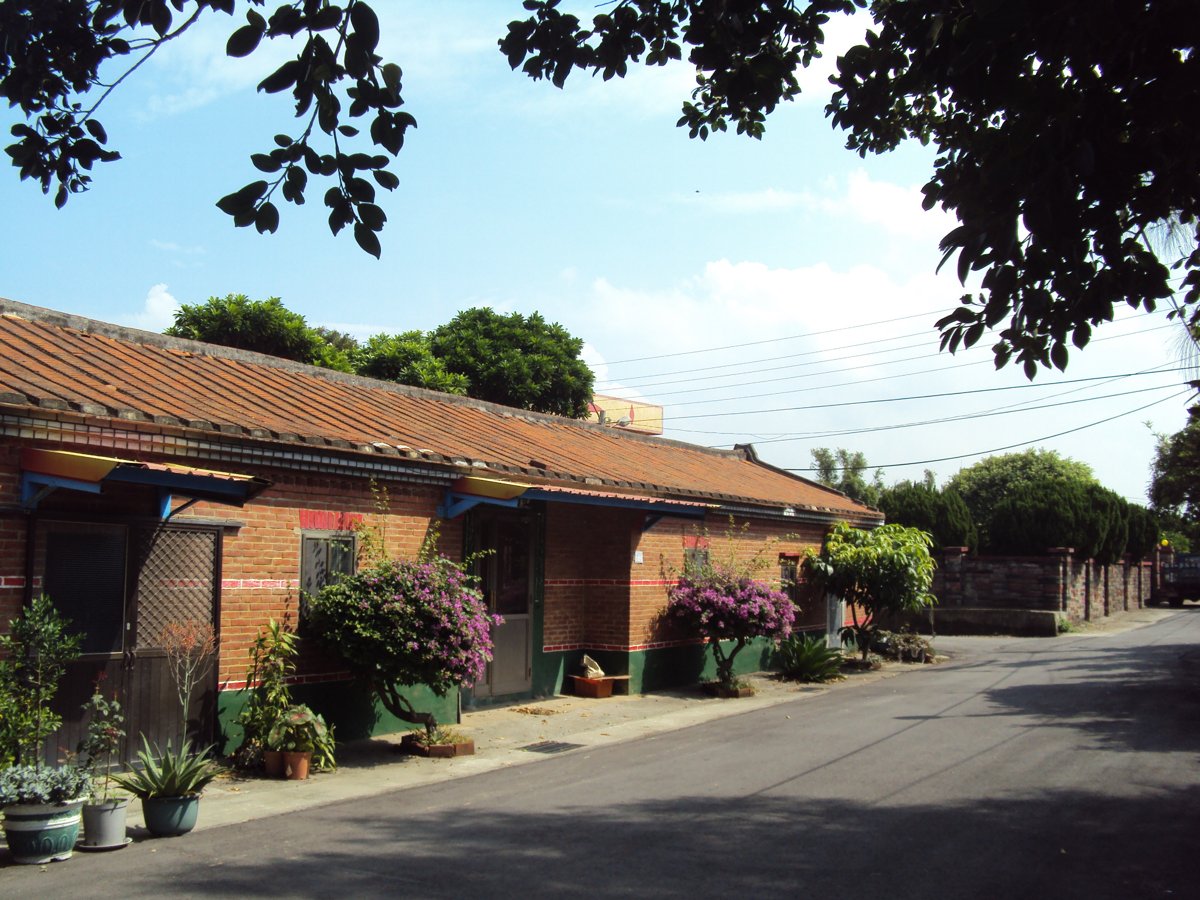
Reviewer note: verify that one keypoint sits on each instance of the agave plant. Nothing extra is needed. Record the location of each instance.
(169, 773)
(806, 658)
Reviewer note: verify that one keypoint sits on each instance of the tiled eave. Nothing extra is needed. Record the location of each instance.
(201, 441)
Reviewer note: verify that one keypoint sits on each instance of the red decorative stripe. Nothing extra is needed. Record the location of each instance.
(12, 581)
(328, 520)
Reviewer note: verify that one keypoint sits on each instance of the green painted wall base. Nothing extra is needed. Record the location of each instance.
(669, 667)
(345, 705)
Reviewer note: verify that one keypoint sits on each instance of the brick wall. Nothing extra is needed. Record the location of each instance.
(1081, 589)
(599, 595)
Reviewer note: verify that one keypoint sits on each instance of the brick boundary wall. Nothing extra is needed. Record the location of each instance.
(1080, 589)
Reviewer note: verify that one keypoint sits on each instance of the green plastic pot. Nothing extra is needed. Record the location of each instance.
(170, 816)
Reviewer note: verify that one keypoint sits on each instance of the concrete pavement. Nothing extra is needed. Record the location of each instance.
(518, 735)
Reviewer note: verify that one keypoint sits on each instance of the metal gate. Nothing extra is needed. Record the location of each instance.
(121, 585)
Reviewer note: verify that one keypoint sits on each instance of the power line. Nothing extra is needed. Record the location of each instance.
(790, 337)
(937, 396)
(639, 384)
(925, 462)
(861, 381)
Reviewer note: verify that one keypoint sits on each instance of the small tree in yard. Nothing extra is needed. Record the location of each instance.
(884, 570)
(404, 622)
(721, 601)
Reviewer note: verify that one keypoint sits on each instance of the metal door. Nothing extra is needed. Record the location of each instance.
(506, 571)
(119, 585)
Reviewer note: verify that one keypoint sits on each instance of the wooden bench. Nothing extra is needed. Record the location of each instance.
(599, 688)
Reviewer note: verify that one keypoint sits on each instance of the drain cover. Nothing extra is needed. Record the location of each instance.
(551, 747)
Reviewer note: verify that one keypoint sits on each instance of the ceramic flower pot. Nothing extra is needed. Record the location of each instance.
(104, 824)
(273, 763)
(170, 816)
(295, 764)
(39, 833)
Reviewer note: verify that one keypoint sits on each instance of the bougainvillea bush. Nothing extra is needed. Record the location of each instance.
(406, 622)
(723, 605)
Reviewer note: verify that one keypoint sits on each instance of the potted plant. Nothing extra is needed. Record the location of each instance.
(40, 802)
(298, 733)
(105, 814)
(169, 783)
(441, 743)
(41, 810)
(268, 697)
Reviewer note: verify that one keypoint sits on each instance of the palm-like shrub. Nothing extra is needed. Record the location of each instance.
(805, 657)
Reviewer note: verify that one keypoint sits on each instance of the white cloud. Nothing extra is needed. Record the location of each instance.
(857, 198)
(158, 310)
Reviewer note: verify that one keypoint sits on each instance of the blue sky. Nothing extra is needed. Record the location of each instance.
(590, 206)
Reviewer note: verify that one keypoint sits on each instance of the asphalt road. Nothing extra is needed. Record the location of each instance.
(1022, 768)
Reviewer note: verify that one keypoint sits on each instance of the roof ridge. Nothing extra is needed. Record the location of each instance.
(128, 334)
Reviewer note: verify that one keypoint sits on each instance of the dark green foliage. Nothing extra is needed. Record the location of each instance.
(987, 482)
(1062, 131)
(33, 659)
(1087, 517)
(1175, 478)
(53, 52)
(263, 326)
(516, 360)
(1143, 532)
(941, 513)
(805, 657)
(406, 358)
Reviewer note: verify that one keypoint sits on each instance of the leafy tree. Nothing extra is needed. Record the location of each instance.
(398, 623)
(985, 484)
(881, 571)
(845, 471)
(1175, 473)
(50, 68)
(263, 326)
(1062, 134)
(941, 513)
(516, 360)
(1062, 131)
(406, 358)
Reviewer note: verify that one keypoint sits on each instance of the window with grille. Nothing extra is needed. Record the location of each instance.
(324, 558)
(789, 577)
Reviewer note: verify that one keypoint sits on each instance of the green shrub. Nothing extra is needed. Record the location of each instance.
(805, 657)
(941, 513)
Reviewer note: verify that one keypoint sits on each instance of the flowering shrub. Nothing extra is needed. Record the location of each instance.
(721, 605)
(404, 623)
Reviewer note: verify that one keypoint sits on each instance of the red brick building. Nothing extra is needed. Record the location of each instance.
(145, 479)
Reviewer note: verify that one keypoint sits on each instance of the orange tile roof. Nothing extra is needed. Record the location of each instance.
(53, 361)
